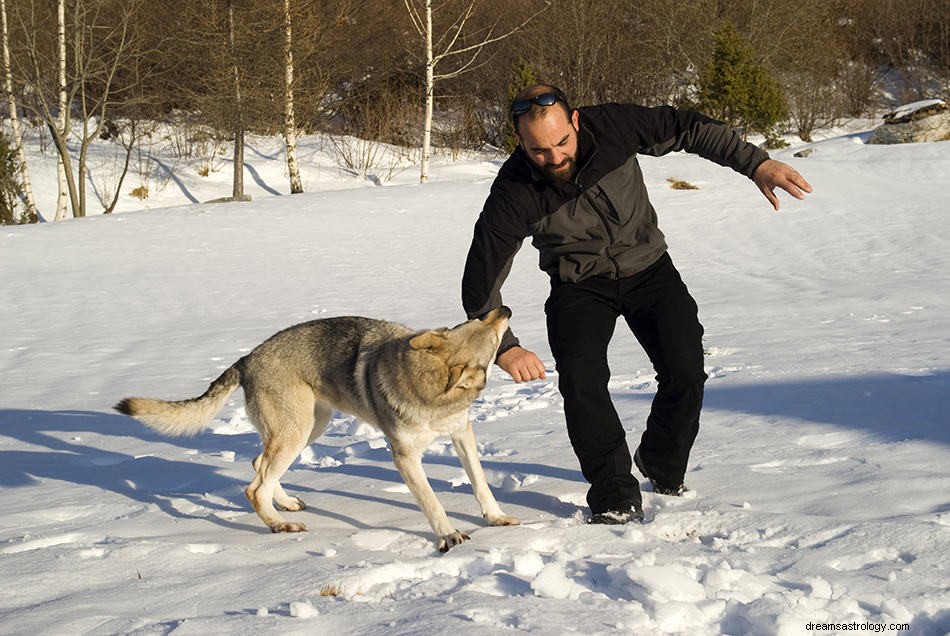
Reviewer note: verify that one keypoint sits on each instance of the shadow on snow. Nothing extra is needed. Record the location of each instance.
(55, 446)
(891, 406)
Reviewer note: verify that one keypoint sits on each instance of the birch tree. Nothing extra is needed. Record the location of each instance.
(61, 129)
(29, 202)
(290, 122)
(449, 47)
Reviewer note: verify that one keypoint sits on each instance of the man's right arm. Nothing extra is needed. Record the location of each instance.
(499, 232)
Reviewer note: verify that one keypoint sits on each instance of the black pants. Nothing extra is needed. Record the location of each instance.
(660, 312)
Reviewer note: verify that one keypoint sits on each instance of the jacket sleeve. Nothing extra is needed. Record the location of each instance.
(663, 129)
(497, 238)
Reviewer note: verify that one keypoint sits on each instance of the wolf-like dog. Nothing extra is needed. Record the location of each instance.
(412, 385)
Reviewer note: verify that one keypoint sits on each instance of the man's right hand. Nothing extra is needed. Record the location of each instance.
(522, 365)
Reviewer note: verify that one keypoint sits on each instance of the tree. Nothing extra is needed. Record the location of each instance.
(24, 178)
(61, 131)
(95, 44)
(237, 190)
(449, 46)
(290, 122)
(523, 77)
(737, 89)
(11, 189)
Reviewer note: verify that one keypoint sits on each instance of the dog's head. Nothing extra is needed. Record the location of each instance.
(460, 357)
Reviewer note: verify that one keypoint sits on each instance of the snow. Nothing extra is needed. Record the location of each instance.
(818, 485)
(910, 109)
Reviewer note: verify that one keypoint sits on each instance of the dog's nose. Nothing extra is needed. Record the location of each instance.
(503, 312)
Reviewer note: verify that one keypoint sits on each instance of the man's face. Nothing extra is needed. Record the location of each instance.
(551, 142)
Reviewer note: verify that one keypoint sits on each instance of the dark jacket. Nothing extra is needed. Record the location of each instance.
(602, 223)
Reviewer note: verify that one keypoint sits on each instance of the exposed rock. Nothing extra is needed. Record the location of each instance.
(913, 123)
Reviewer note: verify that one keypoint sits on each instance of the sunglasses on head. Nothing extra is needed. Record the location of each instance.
(522, 106)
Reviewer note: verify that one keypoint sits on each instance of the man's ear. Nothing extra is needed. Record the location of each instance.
(428, 340)
(575, 120)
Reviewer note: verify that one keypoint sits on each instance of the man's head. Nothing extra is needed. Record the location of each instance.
(546, 128)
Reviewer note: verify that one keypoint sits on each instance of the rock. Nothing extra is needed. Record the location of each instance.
(914, 123)
(804, 152)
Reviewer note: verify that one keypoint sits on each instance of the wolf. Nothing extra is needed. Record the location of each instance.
(412, 385)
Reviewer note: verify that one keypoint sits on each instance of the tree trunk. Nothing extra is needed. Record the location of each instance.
(29, 203)
(62, 119)
(430, 97)
(237, 192)
(290, 123)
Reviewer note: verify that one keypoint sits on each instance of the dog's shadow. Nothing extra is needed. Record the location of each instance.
(61, 446)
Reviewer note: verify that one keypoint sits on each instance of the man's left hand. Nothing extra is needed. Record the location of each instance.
(772, 174)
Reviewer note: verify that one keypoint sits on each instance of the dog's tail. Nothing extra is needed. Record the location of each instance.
(184, 417)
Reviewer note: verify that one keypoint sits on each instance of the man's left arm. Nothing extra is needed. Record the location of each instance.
(663, 129)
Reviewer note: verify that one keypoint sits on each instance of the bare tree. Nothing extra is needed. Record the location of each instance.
(449, 45)
(94, 43)
(237, 191)
(64, 172)
(290, 122)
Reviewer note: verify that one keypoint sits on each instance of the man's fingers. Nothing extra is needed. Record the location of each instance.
(522, 365)
(770, 195)
(795, 185)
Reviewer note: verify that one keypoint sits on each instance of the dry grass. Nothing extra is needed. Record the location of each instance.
(140, 193)
(679, 184)
(331, 590)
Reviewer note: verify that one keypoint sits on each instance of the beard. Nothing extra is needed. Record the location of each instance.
(563, 171)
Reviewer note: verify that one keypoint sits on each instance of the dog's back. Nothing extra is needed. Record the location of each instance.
(334, 357)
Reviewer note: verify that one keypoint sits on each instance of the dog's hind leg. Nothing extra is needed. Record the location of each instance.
(285, 430)
(463, 440)
(321, 418)
(409, 464)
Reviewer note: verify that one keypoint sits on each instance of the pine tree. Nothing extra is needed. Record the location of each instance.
(522, 78)
(737, 89)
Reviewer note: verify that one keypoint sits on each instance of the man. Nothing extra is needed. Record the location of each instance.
(574, 185)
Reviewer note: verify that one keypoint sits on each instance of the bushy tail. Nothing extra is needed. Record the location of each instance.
(184, 417)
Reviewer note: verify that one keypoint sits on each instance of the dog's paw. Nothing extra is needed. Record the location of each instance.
(294, 504)
(503, 520)
(453, 539)
(288, 526)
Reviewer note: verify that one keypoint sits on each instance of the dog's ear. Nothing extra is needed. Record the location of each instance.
(461, 377)
(455, 377)
(428, 340)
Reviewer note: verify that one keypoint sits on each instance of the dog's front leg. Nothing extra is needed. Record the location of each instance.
(409, 465)
(463, 440)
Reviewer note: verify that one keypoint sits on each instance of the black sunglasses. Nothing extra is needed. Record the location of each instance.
(522, 106)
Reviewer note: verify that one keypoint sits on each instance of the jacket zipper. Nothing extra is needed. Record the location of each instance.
(603, 219)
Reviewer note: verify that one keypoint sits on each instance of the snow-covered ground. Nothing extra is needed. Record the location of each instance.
(820, 491)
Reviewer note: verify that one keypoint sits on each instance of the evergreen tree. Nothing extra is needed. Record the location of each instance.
(11, 188)
(522, 78)
(737, 89)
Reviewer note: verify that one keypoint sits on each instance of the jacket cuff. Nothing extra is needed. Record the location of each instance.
(507, 342)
